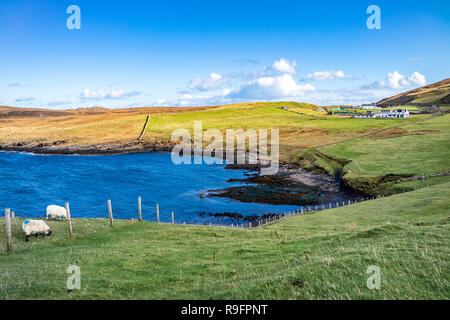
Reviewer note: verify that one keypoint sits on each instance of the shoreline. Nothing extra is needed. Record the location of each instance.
(287, 187)
(57, 148)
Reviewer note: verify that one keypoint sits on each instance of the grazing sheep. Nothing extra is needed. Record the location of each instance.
(54, 211)
(35, 227)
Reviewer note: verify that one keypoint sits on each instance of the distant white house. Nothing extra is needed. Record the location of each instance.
(396, 113)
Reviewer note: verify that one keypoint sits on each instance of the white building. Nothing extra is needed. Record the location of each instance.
(396, 113)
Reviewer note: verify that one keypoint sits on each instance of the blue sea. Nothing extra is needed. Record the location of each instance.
(29, 182)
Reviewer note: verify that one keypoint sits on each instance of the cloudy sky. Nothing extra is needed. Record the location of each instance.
(183, 53)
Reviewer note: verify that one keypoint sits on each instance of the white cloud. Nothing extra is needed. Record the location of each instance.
(396, 80)
(271, 83)
(213, 82)
(284, 66)
(417, 79)
(226, 91)
(372, 92)
(216, 81)
(88, 94)
(267, 88)
(328, 75)
(215, 76)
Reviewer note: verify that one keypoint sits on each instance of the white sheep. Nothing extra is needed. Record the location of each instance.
(54, 211)
(35, 227)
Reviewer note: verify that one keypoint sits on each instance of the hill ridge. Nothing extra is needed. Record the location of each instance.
(434, 93)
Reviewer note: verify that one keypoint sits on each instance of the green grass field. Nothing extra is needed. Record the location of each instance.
(298, 132)
(265, 117)
(423, 147)
(319, 256)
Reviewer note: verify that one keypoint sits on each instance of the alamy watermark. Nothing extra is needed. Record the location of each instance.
(374, 20)
(235, 148)
(374, 280)
(74, 280)
(74, 20)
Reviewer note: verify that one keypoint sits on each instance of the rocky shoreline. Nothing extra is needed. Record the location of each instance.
(61, 148)
(292, 185)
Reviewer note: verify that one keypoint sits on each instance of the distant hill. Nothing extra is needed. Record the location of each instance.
(7, 112)
(435, 93)
(17, 112)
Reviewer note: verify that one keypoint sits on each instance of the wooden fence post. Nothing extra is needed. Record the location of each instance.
(8, 230)
(173, 220)
(111, 219)
(13, 215)
(140, 208)
(157, 212)
(69, 221)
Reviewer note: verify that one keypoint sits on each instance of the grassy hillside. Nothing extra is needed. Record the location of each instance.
(435, 93)
(80, 126)
(413, 149)
(318, 256)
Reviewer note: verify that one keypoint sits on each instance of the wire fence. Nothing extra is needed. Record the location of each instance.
(13, 226)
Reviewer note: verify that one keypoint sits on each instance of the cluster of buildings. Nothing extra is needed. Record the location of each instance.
(395, 113)
(351, 110)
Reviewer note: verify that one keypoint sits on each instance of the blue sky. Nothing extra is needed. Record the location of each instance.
(179, 53)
